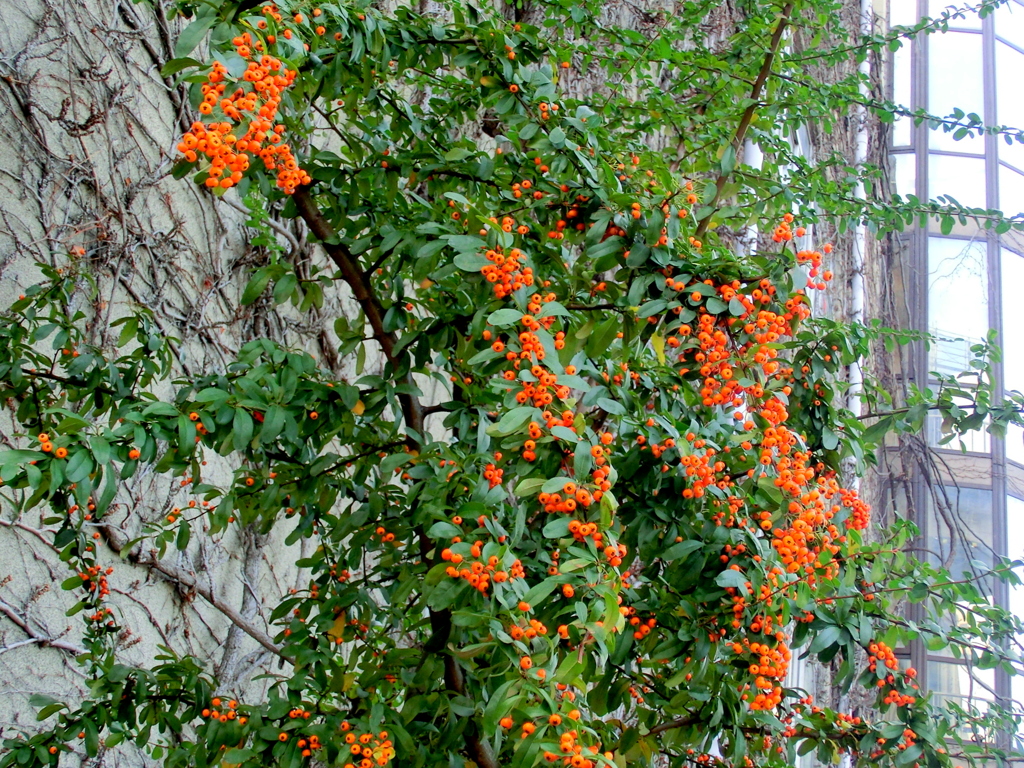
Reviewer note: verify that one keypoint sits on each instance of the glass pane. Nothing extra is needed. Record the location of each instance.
(903, 126)
(1012, 278)
(905, 169)
(960, 530)
(1015, 444)
(969, 20)
(963, 682)
(962, 178)
(955, 80)
(903, 12)
(1011, 191)
(957, 301)
(1009, 104)
(1010, 22)
(1015, 550)
(977, 441)
(963, 687)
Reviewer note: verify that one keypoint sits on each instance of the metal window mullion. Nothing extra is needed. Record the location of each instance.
(997, 446)
(918, 256)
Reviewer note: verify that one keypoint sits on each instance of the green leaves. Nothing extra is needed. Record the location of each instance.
(504, 317)
(256, 285)
(431, 485)
(241, 427)
(513, 421)
(194, 33)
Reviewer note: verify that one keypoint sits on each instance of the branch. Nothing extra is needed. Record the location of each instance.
(363, 292)
(189, 581)
(35, 635)
(748, 113)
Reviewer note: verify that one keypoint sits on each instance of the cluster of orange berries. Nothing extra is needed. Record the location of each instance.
(705, 759)
(814, 259)
(517, 191)
(385, 535)
(767, 663)
(94, 578)
(545, 114)
(582, 531)
(507, 272)
(881, 654)
(784, 231)
(909, 737)
(894, 697)
(641, 628)
(478, 573)
(570, 751)
(370, 749)
(46, 446)
(530, 631)
(493, 474)
(224, 711)
(229, 154)
(573, 213)
(539, 394)
(700, 471)
(175, 512)
(103, 613)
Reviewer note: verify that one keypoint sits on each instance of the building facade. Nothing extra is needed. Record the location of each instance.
(962, 286)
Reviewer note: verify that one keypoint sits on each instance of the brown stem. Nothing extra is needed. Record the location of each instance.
(748, 113)
(363, 292)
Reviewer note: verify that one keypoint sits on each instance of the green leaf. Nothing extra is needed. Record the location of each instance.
(825, 638)
(555, 484)
(471, 262)
(100, 449)
(174, 66)
(273, 423)
(715, 305)
(284, 287)
(530, 486)
(728, 160)
(504, 317)
(241, 428)
(557, 528)
(611, 406)
(184, 533)
(683, 548)
(513, 421)
(731, 578)
(212, 395)
(79, 466)
(257, 284)
(193, 34)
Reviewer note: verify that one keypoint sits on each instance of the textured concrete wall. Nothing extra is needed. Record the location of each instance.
(88, 129)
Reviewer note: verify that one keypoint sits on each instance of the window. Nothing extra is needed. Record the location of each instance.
(1012, 268)
(960, 531)
(1009, 23)
(1011, 190)
(957, 301)
(954, 73)
(962, 178)
(1010, 105)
